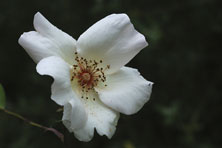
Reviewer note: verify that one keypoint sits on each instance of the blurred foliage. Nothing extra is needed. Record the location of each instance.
(183, 59)
(2, 97)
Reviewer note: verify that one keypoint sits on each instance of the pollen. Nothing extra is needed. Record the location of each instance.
(88, 74)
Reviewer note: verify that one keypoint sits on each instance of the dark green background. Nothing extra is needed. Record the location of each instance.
(183, 59)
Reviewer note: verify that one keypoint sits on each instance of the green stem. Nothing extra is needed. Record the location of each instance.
(23, 118)
(60, 135)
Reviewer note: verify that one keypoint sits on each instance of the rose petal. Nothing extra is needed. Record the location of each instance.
(60, 71)
(100, 117)
(113, 40)
(126, 92)
(74, 116)
(47, 41)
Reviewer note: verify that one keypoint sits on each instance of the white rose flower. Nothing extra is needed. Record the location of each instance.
(90, 79)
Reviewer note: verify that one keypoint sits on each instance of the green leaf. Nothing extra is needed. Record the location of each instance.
(2, 97)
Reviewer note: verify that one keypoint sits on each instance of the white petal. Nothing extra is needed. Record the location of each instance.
(126, 92)
(60, 71)
(100, 117)
(113, 40)
(74, 116)
(47, 41)
(38, 46)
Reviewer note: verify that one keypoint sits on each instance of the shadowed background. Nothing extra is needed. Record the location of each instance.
(183, 60)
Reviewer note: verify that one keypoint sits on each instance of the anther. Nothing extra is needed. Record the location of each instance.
(88, 74)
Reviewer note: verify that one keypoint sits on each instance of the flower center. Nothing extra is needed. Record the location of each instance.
(86, 77)
(88, 74)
